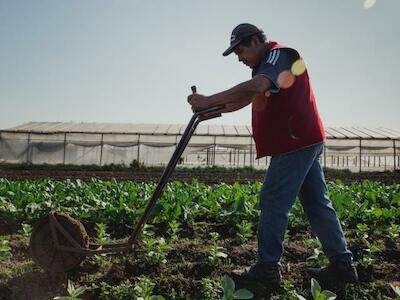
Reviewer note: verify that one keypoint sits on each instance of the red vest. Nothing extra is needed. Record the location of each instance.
(289, 120)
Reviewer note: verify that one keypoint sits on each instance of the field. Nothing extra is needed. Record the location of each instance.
(139, 173)
(198, 233)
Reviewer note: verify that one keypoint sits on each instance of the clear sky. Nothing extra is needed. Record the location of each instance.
(134, 61)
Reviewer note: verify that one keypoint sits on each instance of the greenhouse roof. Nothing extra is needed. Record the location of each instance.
(204, 130)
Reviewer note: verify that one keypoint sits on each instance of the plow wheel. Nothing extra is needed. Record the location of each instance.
(43, 248)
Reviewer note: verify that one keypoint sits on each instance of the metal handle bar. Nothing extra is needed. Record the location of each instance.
(211, 110)
(191, 127)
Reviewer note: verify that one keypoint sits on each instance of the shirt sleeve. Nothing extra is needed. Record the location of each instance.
(277, 61)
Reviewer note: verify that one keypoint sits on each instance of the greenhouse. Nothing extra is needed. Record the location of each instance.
(353, 148)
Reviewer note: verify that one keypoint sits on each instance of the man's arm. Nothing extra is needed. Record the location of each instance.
(239, 95)
(243, 92)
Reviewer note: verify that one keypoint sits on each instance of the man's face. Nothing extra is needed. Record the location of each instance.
(251, 56)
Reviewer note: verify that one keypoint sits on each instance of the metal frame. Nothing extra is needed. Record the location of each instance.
(93, 249)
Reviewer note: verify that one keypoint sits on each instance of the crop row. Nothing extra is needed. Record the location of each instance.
(122, 203)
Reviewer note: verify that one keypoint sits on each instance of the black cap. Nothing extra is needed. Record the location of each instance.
(239, 33)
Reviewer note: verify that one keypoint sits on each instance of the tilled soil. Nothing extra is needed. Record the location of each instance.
(186, 263)
(185, 267)
(211, 178)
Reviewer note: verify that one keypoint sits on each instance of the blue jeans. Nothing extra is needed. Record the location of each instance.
(300, 174)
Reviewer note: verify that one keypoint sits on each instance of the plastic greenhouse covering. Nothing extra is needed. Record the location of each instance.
(354, 148)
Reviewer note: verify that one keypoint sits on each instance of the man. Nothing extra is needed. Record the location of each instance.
(287, 127)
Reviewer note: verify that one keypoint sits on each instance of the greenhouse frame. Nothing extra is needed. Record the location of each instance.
(354, 148)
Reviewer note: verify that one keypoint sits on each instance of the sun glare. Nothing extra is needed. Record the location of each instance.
(298, 67)
(286, 79)
(369, 3)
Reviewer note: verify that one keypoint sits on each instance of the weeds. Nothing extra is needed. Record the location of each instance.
(5, 250)
(173, 231)
(214, 252)
(244, 232)
(102, 237)
(210, 289)
(123, 291)
(26, 229)
(73, 292)
(144, 290)
(392, 233)
(154, 249)
(318, 254)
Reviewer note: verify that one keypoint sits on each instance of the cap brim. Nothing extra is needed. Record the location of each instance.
(231, 48)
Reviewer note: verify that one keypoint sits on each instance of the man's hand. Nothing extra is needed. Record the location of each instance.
(198, 102)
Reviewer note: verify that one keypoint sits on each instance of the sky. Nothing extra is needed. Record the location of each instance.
(135, 61)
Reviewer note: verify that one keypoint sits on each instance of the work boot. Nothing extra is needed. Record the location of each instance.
(258, 275)
(335, 274)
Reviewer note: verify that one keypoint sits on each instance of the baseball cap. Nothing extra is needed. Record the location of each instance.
(239, 33)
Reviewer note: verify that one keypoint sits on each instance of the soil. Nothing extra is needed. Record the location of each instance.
(206, 177)
(184, 269)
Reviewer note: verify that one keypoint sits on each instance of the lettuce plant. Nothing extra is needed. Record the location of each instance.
(317, 293)
(229, 293)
